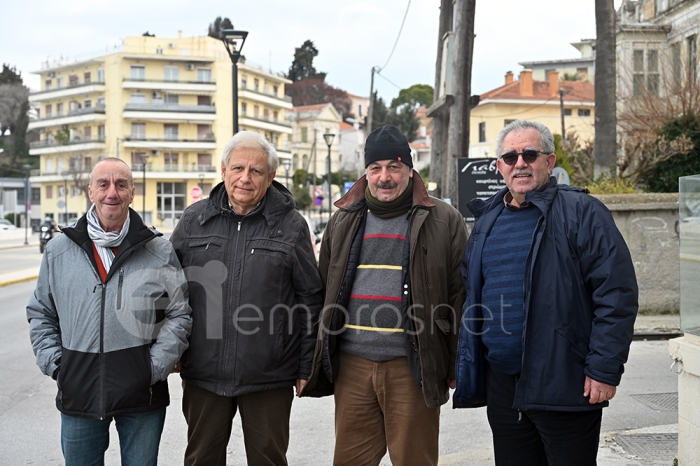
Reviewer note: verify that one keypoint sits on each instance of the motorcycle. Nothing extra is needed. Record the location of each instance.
(44, 238)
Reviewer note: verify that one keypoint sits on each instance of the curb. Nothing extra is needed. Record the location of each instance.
(13, 281)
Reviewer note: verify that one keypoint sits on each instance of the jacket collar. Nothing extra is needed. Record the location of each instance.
(278, 201)
(542, 199)
(354, 199)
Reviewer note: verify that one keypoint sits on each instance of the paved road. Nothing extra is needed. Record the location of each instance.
(20, 258)
(30, 427)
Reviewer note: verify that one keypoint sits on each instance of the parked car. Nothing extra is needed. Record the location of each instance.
(6, 225)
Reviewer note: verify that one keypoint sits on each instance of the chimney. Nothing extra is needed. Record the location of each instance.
(179, 34)
(509, 77)
(553, 83)
(526, 83)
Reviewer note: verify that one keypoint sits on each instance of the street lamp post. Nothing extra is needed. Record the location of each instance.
(230, 39)
(27, 195)
(286, 163)
(329, 140)
(144, 158)
(201, 182)
(65, 196)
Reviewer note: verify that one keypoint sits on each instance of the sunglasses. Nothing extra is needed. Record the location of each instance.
(529, 156)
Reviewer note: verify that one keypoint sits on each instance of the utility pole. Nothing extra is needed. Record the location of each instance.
(370, 109)
(458, 127)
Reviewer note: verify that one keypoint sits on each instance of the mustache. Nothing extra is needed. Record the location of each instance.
(386, 184)
(524, 171)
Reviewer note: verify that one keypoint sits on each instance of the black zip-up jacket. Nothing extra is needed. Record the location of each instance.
(580, 302)
(110, 345)
(255, 293)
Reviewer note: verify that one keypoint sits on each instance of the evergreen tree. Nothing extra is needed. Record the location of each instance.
(303, 63)
(218, 25)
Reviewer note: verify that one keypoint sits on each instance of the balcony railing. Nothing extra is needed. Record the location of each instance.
(69, 86)
(286, 98)
(166, 138)
(177, 81)
(99, 108)
(267, 120)
(75, 140)
(172, 167)
(170, 108)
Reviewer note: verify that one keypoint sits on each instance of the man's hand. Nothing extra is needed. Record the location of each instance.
(301, 383)
(452, 383)
(177, 368)
(598, 391)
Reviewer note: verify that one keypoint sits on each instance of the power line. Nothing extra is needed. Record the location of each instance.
(397, 37)
(387, 80)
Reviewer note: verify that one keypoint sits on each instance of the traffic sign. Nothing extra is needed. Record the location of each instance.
(196, 193)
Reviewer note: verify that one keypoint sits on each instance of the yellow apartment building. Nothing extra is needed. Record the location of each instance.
(163, 105)
(528, 99)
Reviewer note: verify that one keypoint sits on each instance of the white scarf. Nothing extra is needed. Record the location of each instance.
(104, 241)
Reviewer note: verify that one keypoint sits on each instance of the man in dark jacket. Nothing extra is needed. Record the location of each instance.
(255, 294)
(550, 309)
(108, 321)
(387, 340)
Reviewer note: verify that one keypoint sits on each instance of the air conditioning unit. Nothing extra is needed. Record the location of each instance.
(157, 95)
(154, 152)
(171, 45)
(190, 66)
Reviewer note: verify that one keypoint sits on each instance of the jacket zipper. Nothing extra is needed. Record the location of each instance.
(102, 352)
(425, 265)
(119, 289)
(232, 287)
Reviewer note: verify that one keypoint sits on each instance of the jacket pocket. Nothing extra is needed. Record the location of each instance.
(576, 342)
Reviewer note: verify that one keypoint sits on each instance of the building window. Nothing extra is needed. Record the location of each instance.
(584, 112)
(73, 106)
(47, 84)
(159, 51)
(645, 72)
(49, 192)
(87, 132)
(138, 98)
(204, 75)
(266, 114)
(203, 131)
(274, 91)
(36, 196)
(256, 85)
(170, 131)
(171, 200)
(47, 111)
(171, 73)
(692, 58)
(567, 112)
(244, 108)
(61, 192)
(172, 99)
(72, 79)
(138, 72)
(59, 82)
(244, 81)
(204, 162)
(137, 161)
(204, 100)
(170, 162)
(101, 132)
(138, 130)
(676, 63)
(59, 109)
(304, 134)
(256, 111)
(87, 103)
(75, 191)
(87, 163)
(275, 115)
(100, 75)
(87, 76)
(101, 100)
(482, 131)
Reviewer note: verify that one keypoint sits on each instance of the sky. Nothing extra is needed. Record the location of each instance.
(352, 36)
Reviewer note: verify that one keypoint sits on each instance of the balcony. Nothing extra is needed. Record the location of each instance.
(70, 91)
(169, 112)
(267, 99)
(76, 144)
(81, 115)
(173, 168)
(172, 87)
(265, 124)
(166, 142)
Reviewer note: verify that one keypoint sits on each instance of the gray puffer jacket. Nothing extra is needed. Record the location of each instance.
(110, 345)
(255, 293)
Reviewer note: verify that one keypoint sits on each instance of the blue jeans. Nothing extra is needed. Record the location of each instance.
(84, 441)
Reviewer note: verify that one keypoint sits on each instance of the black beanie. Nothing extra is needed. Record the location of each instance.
(387, 143)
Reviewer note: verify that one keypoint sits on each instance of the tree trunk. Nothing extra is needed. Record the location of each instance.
(458, 128)
(605, 89)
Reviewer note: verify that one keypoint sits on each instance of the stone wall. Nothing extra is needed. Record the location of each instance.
(649, 224)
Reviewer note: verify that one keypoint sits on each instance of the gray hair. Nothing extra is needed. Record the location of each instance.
(251, 140)
(546, 138)
(113, 159)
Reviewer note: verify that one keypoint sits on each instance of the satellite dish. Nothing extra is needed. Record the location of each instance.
(561, 175)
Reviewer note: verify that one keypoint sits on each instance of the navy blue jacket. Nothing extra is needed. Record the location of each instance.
(580, 302)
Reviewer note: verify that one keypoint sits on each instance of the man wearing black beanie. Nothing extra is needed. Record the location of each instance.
(387, 339)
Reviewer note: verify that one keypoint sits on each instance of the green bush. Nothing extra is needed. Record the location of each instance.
(302, 198)
(664, 177)
(608, 185)
(13, 218)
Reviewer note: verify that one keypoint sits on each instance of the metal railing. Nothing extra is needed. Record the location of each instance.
(171, 167)
(165, 138)
(99, 108)
(178, 81)
(170, 108)
(75, 140)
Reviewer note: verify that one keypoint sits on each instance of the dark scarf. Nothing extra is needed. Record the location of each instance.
(398, 206)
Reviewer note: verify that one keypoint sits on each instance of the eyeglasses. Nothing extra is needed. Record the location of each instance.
(529, 156)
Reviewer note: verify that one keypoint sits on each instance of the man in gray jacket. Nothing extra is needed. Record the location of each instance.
(255, 294)
(108, 321)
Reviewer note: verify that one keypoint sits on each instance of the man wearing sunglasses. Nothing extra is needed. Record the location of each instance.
(550, 309)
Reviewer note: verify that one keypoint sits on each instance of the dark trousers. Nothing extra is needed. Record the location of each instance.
(535, 437)
(264, 418)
